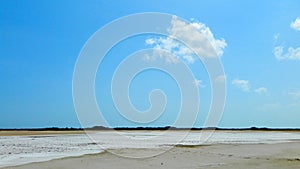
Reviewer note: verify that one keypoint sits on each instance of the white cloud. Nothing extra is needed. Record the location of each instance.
(170, 50)
(296, 24)
(242, 84)
(295, 94)
(197, 38)
(199, 83)
(189, 58)
(220, 79)
(161, 54)
(261, 90)
(150, 41)
(291, 54)
(276, 36)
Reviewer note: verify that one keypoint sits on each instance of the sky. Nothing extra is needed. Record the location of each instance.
(258, 43)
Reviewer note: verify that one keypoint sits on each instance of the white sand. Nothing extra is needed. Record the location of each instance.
(234, 156)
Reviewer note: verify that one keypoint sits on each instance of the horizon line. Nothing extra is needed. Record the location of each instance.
(148, 128)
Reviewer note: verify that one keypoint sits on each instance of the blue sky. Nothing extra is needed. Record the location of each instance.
(41, 40)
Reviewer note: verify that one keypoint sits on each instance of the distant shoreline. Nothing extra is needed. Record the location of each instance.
(71, 131)
(149, 128)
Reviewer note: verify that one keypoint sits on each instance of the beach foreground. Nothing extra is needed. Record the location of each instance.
(225, 156)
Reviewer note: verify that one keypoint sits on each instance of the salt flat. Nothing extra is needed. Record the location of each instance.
(254, 156)
(151, 148)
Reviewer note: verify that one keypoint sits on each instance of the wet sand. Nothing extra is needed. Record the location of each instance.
(234, 156)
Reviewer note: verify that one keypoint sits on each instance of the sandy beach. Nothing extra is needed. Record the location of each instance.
(225, 156)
